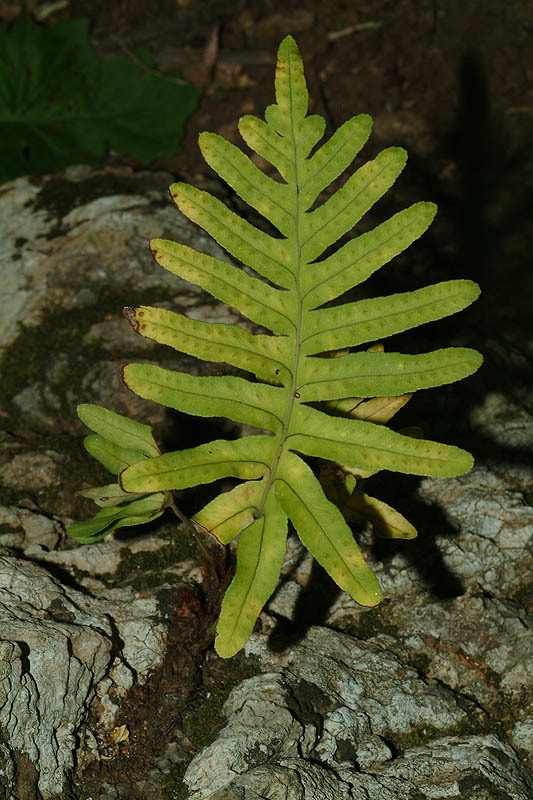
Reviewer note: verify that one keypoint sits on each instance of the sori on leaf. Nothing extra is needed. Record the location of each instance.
(303, 404)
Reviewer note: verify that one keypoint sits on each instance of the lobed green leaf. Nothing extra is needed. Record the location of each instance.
(383, 374)
(379, 410)
(260, 555)
(118, 429)
(228, 396)
(248, 458)
(352, 324)
(323, 530)
(113, 457)
(361, 257)
(109, 495)
(267, 143)
(232, 511)
(268, 357)
(386, 521)
(323, 226)
(353, 395)
(111, 518)
(252, 297)
(250, 183)
(333, 157)
(372, 447)
(266, 255)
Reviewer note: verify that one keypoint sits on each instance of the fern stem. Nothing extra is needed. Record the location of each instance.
(194, 530)
(292, 395)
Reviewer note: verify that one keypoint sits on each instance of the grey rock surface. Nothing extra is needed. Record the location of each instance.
(337, 720)
(434, 699)
(71, 655)
(60, 659)
(67, 236)
(428, 696)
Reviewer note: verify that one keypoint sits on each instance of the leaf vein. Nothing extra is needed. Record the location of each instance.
(376, 318)
(331, 277)
(343, 209)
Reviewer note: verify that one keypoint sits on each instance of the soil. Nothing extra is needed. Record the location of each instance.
(452, 82)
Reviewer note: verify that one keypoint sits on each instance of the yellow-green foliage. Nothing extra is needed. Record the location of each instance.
(301, 402)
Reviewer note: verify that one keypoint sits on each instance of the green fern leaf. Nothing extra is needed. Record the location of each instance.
(302, 403)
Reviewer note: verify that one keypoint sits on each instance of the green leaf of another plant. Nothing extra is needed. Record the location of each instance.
(61, 104)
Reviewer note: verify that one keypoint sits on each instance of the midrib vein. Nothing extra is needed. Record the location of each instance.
(297, 333)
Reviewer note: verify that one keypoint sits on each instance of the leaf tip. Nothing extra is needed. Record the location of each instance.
(81, 409)
(204, 139)
(132, 314)
(123, 376)
(288, 42)
(174, 192)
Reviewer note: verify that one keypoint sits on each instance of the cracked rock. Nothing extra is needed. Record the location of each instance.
(63, 653)
(23, 528)
(334, 722)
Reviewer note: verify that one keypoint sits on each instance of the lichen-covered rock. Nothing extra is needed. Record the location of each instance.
(426, 696)
(67, 237)
(337, 720)
(433, 701)
(22, 528)
(62, 654)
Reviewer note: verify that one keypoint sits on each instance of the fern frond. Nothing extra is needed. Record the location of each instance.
(302, 403)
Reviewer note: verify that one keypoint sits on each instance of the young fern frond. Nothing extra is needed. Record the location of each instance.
(297, 400)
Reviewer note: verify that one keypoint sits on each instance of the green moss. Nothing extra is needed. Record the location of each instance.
(202, 722)
(149, 568)
(422, 734)
(61, 333)
(419, 735)
(475, 722)
(59, 196)
(58, 342)
(373, 621)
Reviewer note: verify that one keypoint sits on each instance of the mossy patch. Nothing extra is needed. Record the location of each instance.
(203, 716)
(59, 195)
(60, 334)
(150, 568)
(56, 346)
(475, 722)
(372, 622)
